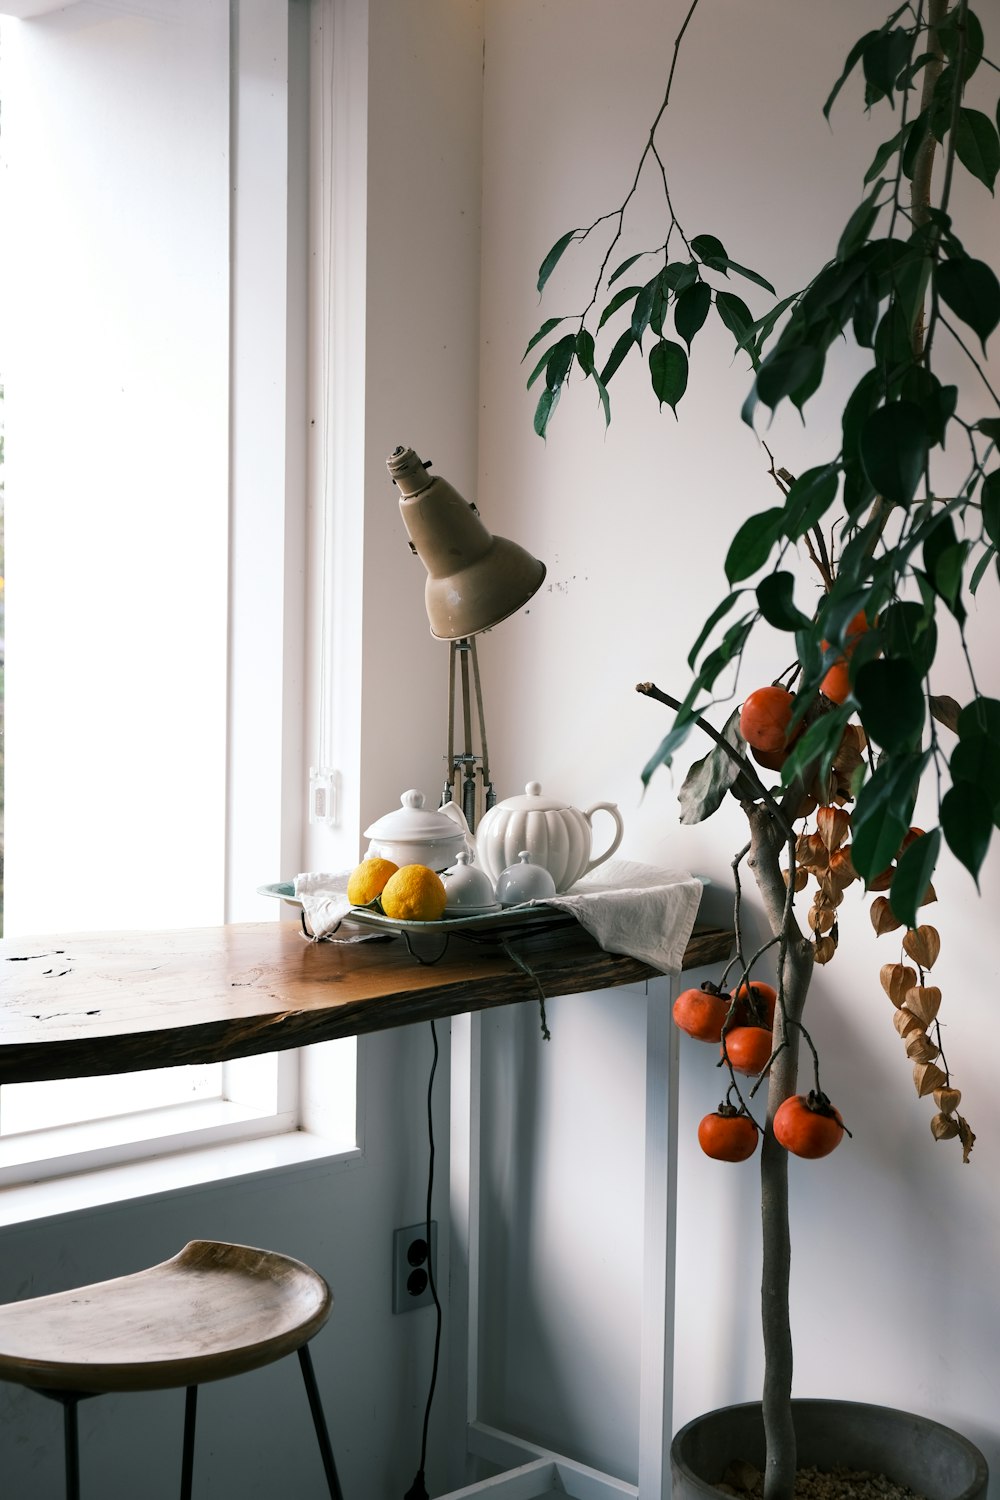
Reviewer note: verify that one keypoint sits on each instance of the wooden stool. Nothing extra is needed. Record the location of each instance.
(213, 1310)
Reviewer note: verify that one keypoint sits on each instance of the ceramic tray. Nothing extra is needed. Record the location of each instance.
(488, 921)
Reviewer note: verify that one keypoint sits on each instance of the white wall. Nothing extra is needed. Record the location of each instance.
(894, 1241)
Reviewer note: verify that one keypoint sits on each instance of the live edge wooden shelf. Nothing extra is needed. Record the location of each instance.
(116, 1002)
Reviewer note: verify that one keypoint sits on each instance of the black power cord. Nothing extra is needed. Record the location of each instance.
(418, 1489)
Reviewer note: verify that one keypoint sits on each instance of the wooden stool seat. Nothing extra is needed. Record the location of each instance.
(211, 1311)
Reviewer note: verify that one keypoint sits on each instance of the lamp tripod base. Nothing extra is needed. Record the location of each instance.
(468, 781)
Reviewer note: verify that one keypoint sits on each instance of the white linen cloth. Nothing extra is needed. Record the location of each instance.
(627, 907)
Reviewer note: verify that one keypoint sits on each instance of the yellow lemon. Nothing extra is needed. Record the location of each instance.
(414, 894)
(368, 880)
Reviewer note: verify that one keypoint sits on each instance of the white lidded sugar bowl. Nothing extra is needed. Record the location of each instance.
(558, 837)
(524, 881)
(417, 835)
(468, 889)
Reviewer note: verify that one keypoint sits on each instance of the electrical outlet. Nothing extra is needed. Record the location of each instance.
(411, 1284)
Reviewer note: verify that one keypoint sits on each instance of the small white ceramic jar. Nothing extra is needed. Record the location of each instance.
(468, 888)
(417, 835)
(524, 881)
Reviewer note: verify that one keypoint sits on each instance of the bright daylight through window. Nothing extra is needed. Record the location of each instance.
(131, 756)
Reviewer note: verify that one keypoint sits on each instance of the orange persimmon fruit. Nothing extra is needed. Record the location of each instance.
(727, 1135)
(765, 717)
(808, 1126)
(748, 1049)
(701, 1013)
(761, 1012)
(836, 685)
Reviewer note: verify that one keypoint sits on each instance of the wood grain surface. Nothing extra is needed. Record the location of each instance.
(114, 1002)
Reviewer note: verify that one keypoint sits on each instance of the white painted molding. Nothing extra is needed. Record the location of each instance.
(89, 10)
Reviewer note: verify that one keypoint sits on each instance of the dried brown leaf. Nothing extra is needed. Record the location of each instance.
(923, 944)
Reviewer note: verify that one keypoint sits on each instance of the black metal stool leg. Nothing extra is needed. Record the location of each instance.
(72, 1443)
(187, 1459)
(319, 1422)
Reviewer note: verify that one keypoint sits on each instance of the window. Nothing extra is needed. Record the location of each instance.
(154, 338)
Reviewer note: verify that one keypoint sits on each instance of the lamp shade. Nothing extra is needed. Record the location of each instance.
(474, 579)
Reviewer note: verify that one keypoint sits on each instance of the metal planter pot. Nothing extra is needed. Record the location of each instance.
(933, 1460)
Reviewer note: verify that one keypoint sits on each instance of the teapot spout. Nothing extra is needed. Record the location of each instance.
(455, 813)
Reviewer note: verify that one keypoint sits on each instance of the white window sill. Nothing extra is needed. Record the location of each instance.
(180, 1171)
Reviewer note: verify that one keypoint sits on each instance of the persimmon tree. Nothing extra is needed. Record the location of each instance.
(849, 725)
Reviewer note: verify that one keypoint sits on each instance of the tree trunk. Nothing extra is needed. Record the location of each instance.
(795, 971)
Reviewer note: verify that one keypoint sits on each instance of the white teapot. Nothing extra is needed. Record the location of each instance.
(557, 837)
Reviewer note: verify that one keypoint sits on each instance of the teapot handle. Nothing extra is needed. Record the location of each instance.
(455, 813)
(619, 826)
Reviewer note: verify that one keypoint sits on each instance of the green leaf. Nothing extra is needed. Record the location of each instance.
(560, 362)
(711, 251)
(936, 401)
(907, 630)
(585, 351)
(734, 313)
(859, 225)
(708, 780)
(624, 294)
(914, 873)
(547, 403)
(989, 499)
(817, 746)
(730, 646)
(989, 426)
(602, 391)
(680, 274)
(884, 59)
(967, 820)
(668, 369)
(883, 812)
(856, 52)
(643, 308)
(755, 335)
(894, 450)
(971, 290)
(746, 273)
(976, 759)
(886, 150)
(944, 561)
(751, 546)
(979, 571)
(542, 333)
(785, 371)
(809, 499)
(691, 310)
(618, 353)
(717, 614)
(552, 259)
(981, 716)
(777, 604)
(949, 34)
(977, 145)
(891, 698)
(625, 265)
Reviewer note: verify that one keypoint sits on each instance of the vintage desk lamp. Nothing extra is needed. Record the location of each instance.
(474, 580)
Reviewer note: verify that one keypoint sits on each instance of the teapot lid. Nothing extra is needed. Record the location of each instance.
(412, 822)
(533, 801)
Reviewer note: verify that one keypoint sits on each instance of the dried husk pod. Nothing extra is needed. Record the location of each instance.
(927, 1077)
(882, 882)
(849, 754)
(801, 878)
(896, 980)
(833, 825)
(924, 1000)
(842, 872)
(811, 852)
(947, 1100)
(826, 947)
(821, 919)
(944, 1127)
(906, 1022)
(883, 917)
(929, 895)
(828, 897)
(923, 944)
(920, 1048)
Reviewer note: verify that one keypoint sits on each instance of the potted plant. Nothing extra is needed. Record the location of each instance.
(827, 759)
